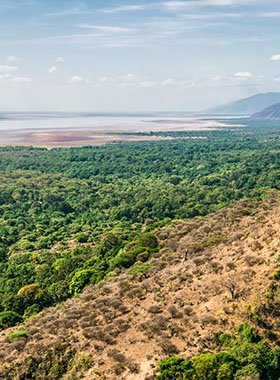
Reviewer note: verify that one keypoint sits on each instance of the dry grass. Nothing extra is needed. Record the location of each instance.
(126, 326)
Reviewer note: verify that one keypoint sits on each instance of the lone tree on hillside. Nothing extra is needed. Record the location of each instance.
(232, 288)
(185, 255)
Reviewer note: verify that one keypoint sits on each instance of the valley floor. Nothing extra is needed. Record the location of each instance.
(98, 134)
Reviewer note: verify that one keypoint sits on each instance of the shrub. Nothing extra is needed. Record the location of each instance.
(208, 319)
(188, 310)
(174, 368)
(139, 268)
(143, 256)
(155, 309)
(168, 347)
(9, 318)
(175, 313)
(80, 279)
(17, 335)
(80, 362)
(202, 367)
(32, 294)
(249, 372)
(248, 334)
(276, 274)
(139, 249)
(148, 240)
(117, 356)
(248, 358)
(82, 237)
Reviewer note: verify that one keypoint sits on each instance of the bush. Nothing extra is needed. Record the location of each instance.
(82, 237)
(80, 279)
(202, 367)
(247, 358)
(139, 249)
(174, 368)
(248, 334)
(148, 240)
(276, 274)
(139, 268)
(9, 318)
(17, 335)
(249, 372)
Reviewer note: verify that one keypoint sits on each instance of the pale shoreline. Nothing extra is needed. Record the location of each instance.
(101, 135)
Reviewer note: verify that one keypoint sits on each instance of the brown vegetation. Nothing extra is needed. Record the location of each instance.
(124, 327)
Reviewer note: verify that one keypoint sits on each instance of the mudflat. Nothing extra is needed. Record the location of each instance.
(100, 135)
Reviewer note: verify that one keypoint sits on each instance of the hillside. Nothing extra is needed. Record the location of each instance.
(269, 113)
(247, 106)
(123, 327)
(69, 217)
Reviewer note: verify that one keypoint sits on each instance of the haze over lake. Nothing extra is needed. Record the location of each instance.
(76, 129)
(46, 121)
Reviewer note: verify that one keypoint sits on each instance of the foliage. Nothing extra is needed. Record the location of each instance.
(9, 318)
(139, 268)
(68, 217)
(79, 280)
(245, 356)
(139, 249)
(276, 274)
(17, 335)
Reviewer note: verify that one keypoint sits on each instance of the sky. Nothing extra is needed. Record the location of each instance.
(136, 56)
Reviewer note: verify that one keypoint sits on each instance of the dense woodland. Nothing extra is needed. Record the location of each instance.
(70, 217)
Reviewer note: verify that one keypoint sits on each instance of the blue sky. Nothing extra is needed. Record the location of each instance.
(136, 55)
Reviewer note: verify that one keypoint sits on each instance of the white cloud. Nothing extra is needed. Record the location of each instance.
(77, 79)
(147, 83)
(217, 78)
(185, 5)
(128, 80)
(107, 28)
(103, 80)
(11, 58)
(7, 75)
(7, 69)
(240, 79)
(17, 79)
(133, 80)
(269, 14)
(129, 77)
(176, 5)
(14, 79)
(168, 82)
(210, 16)
(245, 79)
(59, 59)
(125, 8)
(77, 11)
(275, 57)
(52, 70)
(179, 83)
(243, 74)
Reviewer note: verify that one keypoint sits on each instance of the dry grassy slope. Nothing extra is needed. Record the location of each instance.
(130, 323)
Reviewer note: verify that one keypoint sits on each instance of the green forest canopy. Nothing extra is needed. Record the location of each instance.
(70, 216)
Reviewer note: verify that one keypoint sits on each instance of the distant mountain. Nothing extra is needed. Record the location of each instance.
(247, 106)
(269, 113)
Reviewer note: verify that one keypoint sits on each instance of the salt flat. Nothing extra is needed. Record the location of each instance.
(78, 131)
